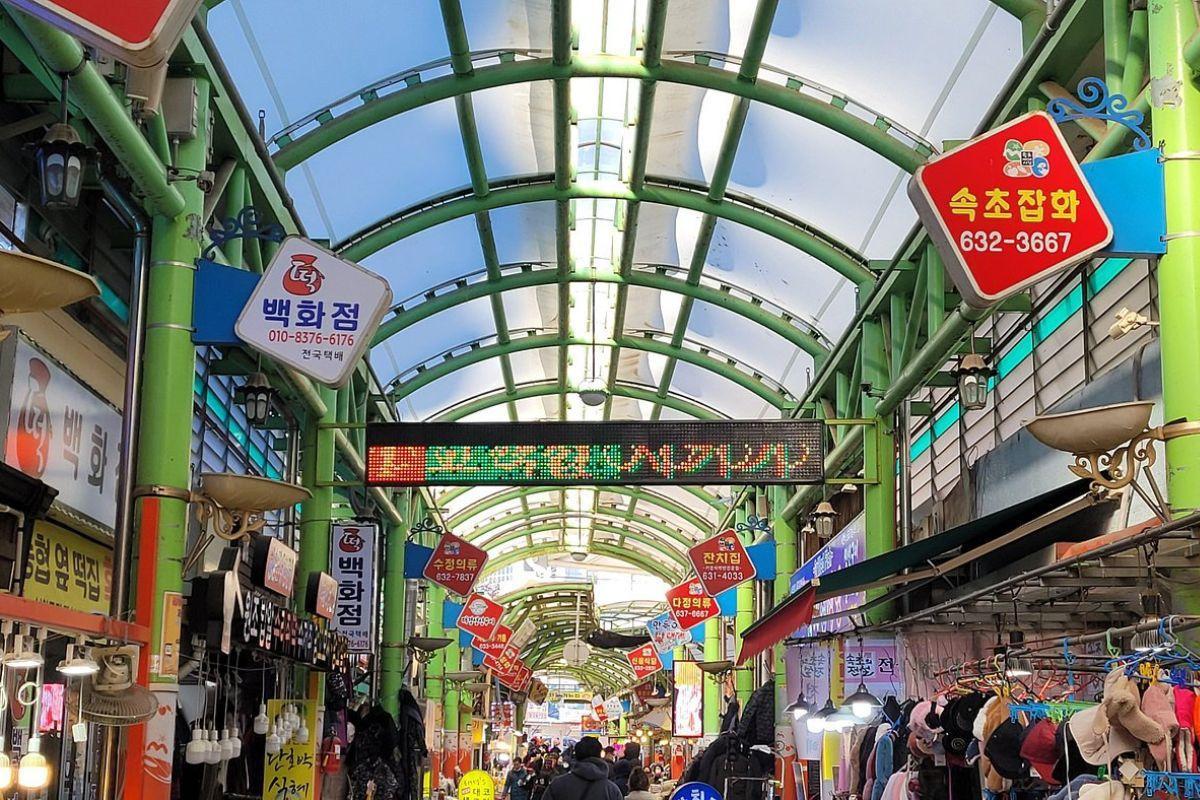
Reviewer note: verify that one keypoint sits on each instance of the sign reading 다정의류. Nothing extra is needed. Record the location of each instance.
(690, 604)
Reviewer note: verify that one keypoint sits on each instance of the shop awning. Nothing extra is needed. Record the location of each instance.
(795, 611)
(973, 539)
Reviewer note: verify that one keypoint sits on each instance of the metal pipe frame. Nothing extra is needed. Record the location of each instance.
(548, 387)
(654, 498)
(646, 563)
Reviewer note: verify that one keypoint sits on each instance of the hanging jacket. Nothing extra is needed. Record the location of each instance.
(883, 765)
(757, 725)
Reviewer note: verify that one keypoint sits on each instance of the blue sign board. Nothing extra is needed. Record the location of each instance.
(695, 791)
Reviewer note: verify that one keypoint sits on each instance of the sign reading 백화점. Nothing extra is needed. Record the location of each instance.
(353, 567)
(690, 604)
(665, 632)
(721, 562)
(455, 564)
(1008, 209)
(314, 311)
(480, 616)
(644, 660)
(62, 433)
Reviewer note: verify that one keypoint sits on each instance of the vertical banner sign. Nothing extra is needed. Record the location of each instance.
(598, 708)
(480, 616)
(876, 665)
(506, 663)
(493, 647)
(314, 311)
(644, 661)
(62, 433)
(665, 633)
(690, 605)
(1008, 208)
(687, 717)
(353, 567)
(455, 564)
(291, 774)
(721, 562)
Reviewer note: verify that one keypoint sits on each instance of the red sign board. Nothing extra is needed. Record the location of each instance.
(138, 32)
(1008, 209)
(644, 660)
(690, 605)
(494, 646)
(721, 562)
(480, 616)
(505, 663)
(455, 564)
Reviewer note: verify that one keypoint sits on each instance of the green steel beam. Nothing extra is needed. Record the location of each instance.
(514, 493)
(560, 35)
(873, 134)
(551, 518)
(679, 193)
(548, 388)
(651, 566)
(753, 309)
(1023, 8)
(449, 364)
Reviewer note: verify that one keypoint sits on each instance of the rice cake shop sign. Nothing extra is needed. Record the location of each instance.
(1009, 208)
(314, 311)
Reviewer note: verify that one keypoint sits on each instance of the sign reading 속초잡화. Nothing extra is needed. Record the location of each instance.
(1008, 208)
(62, 433)
(455, 564)
(314, 311)
(353, 567)
(142, 33)
(721, 562)
(644, 660)
(68, 570)
(665, 632)
(480, 616)
(690, 604)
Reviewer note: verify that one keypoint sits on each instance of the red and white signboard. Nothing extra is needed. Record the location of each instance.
(644, 661)
(1008, 209)
(455, 564)
(598, 708)
(690, 605)
(138, 32)
(506, 663)
(494, 646)
(721, 562)
(480, 616)
(314, 311)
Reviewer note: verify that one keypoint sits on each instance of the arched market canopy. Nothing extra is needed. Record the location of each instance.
(679, 200)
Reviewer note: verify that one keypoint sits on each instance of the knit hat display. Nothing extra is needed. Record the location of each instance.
(1122, 707)
(1158, 703)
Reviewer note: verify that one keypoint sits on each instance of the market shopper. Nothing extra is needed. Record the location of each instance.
(588, 778)
(632, 757)
(516, 784)
(537, 778)
(639, 786)
(371, 760)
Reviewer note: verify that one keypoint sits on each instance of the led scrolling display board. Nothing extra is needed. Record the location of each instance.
(595, 453)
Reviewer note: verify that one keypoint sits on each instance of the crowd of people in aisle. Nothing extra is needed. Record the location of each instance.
(586, 771)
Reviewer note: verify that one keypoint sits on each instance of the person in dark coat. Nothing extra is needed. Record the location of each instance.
(515, 785)
(588, 778)
(371, 760)
(632, 757)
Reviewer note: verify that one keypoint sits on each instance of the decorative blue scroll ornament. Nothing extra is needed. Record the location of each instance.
(243, 226)
(426, 525)
(754, 524)
(1176, 784)
(1095, 102)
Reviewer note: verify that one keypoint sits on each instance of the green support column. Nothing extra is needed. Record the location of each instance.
(392, 652)
(1175, 112)
(879, 454)
(712, 685)
(434, 672)
(743, 680)
(316, 473)
(785, 565)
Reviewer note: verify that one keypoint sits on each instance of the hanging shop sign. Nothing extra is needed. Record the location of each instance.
(721, 562)
(875, 664)
(353, 566)
(845, 549)
(687, 715)
(321, 596)
(504, 663)
(613, 708)
(1009, 208)
(690, 604)
(665, 632)
(282, 632)
(523, 635)
(314, 311)
(291, 773)
(476, 785)
(273, 565)
(480, 616)
(537, 692)
(66, 569)
(598, 708)
(142, 34)
(61, 432)
(601, 453)
(695, 791)
(644, 660)
(455, 564)
(589, 725)
(493, 647)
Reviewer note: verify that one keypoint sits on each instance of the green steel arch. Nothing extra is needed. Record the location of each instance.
(539, 512)
(651, 566)
(881, 135)
(536, 524)
(518, 492)
(474, 352)
(651, 276)
(680, 193)
(546, 388)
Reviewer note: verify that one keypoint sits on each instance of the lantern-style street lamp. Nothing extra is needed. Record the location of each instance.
(823, 517)
(973, 373)
(256, 396)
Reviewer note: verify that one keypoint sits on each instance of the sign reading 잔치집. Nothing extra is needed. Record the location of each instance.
(62, 433)
(721, 562)
(690, 604)
(314, 311)
(455, 564)
(1008, 208)
(353, 567)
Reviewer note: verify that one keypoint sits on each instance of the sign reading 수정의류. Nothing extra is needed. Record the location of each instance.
(314, 311)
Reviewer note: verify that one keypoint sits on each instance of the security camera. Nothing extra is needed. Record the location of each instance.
(1127, 322)
(206, 180)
